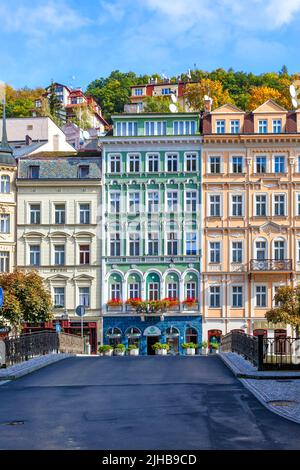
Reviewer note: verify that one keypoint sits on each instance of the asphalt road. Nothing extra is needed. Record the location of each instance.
(138, 403)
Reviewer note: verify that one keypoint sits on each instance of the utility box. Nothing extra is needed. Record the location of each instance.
(2, 354)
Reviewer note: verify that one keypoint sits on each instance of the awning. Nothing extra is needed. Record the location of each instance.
(152, 331)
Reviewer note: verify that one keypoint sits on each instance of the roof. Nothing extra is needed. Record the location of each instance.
(27, 149)
(6, 152)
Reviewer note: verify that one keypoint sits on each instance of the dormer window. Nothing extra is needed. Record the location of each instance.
(235, 126)
(34, 172)
(262, 126)
(277, 126)
(220, 126)
(83, 171)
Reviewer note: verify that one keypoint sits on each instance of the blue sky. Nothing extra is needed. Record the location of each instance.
(46, 39)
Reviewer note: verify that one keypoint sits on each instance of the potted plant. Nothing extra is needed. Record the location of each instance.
(105, 350)
(119, 350)
(114, 302)
(161, 348)
(189, 302)
(134, 302)
(214, 348)
(190, 348)
(204, 346)
(171, 302)
(133, 350)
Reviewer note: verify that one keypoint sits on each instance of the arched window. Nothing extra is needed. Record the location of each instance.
(133, 335)
(153, 286)
(134, 286)
(114, 336)
(5, 184)
(115, 287)
(191, 335)
(172, 286)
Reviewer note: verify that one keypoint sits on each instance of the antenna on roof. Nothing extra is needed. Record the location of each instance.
(294, 92)
(189, 76)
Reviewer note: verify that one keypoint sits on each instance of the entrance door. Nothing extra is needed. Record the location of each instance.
(150, 341)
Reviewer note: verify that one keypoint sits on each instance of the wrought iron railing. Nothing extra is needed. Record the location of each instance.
(271, 265)
(245, 345)
(29, 345)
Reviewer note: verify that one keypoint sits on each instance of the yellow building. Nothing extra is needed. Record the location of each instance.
(251, 215)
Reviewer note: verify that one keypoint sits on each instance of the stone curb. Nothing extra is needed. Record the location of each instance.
(31, 366)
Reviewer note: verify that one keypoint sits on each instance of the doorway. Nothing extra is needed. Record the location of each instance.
(150, 341)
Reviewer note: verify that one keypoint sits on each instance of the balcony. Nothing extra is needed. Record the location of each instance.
(180, 308)
(267, 265)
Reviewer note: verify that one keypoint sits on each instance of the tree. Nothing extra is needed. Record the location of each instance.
(158, 104)
(55, 107)
(25, 299)
(288, 310)
(259, 95)
(195, 93)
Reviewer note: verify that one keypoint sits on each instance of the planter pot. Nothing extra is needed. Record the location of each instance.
(204, 351)
(119, 353)
(190, 351)
(107, 353)
(133, 352)
(161, 352)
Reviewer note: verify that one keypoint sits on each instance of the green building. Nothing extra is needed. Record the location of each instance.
(151, 229)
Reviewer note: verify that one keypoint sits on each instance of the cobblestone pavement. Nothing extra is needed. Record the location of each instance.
(19, 370)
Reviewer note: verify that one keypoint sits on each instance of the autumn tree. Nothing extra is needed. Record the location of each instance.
(25, 299)
(195, 93)
(287, 299)
(261, 94)
(158, 104)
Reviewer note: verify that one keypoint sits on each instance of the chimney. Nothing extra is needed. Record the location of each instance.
(28, 140)
(207, 103)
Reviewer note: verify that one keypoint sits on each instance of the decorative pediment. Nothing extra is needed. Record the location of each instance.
(270, 227)
(270, 106)
(227, 108)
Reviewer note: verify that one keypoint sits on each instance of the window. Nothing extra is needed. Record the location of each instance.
(279, 250)
(155, 128)
(214, 252)
(260, 205)
(191, 201)
(4, 223)
(153, 202)
(115, 203)
(34, 255)
(172, 201)
(4, 261)
(115, 290)
(115, 244)
(172, 244)
(214, 205)
(59, 297)
(115, 164)
(134, 290)
(138, 91)
(214, 296)
(191, 243)
(60, 213)
(279, 204)
(220, 126)
(59, 254)
(261, 296)
(298, 165)
(84, 213)
(191, 290)
(279, 164)
(298, 204)
(262, 126)
(235, 126)
(215, 164)
(5, 184)
(126, 129)
(84, 296)
(33, 172)
(153, 163)
(184, 127)
(261, 250)
(84, 254)
(134, 163)
(237, 296)
(237, 164)
(153, 243)
(237, 205)
(191, 162)
(134, 244)
(237, 252)
(172, 162)
(261, 165)
(277, 126)
(153, 291)
(83, 171)
(166, 91)
(172, 290)
(35, 213)
(298, 251)
(134, 202)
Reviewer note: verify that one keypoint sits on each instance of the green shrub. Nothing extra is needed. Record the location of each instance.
(204, 344)
(214, 345)
(161, 346)
(120, 347)
(132, 346)
(105, 348)
(189, 345)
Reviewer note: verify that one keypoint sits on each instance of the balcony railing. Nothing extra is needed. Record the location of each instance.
(182, 307)
(271, 265)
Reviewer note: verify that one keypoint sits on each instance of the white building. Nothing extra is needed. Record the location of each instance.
(58, 200)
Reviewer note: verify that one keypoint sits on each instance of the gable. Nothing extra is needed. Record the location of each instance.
(270, 107)
(227, 108)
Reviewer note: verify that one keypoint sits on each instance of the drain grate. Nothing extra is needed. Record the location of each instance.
(14, 423)
(282, 402)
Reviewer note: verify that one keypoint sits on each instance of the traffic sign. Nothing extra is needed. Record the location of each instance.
(80, 310)
(1, 297)
(58, 328)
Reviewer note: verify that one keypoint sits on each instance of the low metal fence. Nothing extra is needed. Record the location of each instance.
(29, 345)
(245, 345)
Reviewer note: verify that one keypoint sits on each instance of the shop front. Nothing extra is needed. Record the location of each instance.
(173, 330)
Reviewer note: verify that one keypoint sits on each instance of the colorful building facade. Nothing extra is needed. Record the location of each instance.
(151, 233)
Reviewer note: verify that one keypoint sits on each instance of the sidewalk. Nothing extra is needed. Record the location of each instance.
(23, 368)
(279, 391)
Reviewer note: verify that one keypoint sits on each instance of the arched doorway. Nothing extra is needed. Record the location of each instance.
(191, 335)
(114, 336)
(172, 337)
(133, 336)
(214, 336)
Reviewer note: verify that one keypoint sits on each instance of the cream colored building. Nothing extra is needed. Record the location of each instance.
(57, 234)
(251, 215)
